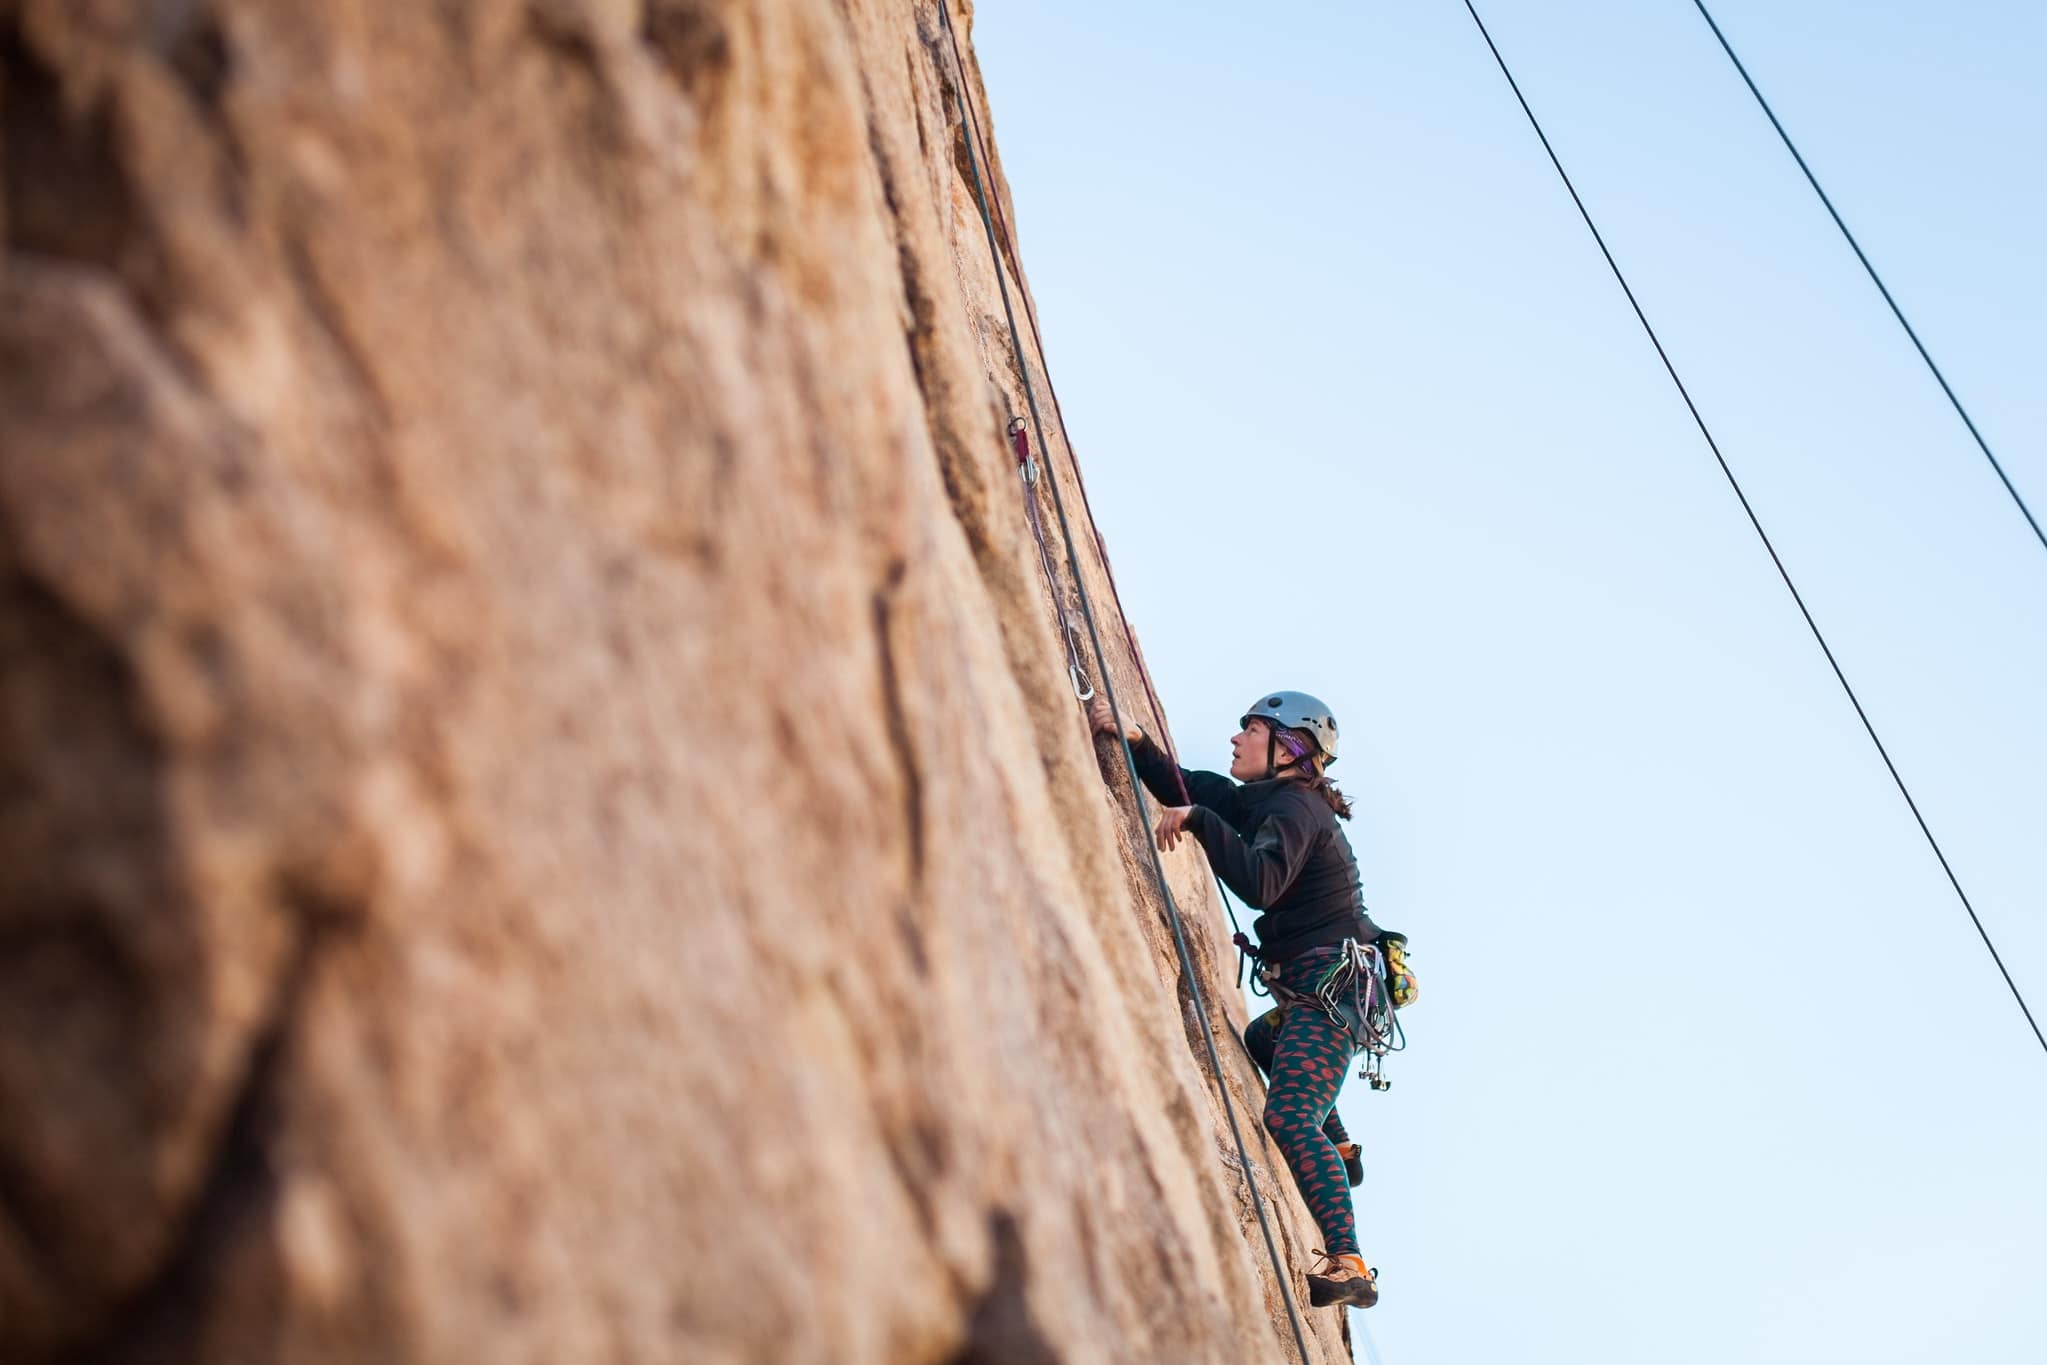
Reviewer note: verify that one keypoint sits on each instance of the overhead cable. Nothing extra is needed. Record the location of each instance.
(1756, 522)
(1874, 278)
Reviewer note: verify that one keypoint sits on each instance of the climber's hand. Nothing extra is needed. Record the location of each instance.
(1103, 718)
(1172, 824)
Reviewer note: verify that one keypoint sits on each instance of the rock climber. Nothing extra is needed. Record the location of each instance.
(1270, 832)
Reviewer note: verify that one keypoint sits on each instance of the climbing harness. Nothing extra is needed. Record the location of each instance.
(971, 125)
(1027, 470)
(1355, 993)
(1727, 470)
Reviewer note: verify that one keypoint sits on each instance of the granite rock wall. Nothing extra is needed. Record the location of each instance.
(541, 814)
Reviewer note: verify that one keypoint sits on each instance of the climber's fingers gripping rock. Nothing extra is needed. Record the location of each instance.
(1172, 824)
(1103, 718)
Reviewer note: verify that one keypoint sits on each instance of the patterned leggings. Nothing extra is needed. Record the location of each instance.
(1306, 1057)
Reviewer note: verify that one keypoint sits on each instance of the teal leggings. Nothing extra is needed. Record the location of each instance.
(1261, 1039)
(1308, 1056)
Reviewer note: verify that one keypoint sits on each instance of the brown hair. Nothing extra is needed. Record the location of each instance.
(1310, 761)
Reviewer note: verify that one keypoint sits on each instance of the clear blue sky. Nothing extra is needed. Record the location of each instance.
(1709, 1065)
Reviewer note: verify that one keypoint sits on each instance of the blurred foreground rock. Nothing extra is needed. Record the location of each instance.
(541, 816)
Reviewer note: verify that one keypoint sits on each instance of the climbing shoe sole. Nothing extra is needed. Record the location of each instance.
(1357, 1291)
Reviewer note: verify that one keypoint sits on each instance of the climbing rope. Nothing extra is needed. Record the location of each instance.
(972, 126)
(1158, 712)
(1079, 479)
(1756, 522)
(1874, 278)
(1027, 470)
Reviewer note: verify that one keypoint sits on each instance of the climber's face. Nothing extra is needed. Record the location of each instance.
(1252, 749)
(1248, 750)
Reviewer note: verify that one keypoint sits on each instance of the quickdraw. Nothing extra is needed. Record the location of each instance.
(1027, 470)
(1355, 995)
(1246, 950)
(1380, 1016)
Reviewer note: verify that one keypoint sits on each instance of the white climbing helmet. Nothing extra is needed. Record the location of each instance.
(1297, 711)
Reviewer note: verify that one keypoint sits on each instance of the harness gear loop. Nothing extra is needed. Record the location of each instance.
(1353, 994)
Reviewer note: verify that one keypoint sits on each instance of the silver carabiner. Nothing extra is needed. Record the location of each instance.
(1083, 690)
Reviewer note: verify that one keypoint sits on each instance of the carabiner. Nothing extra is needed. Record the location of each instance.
(1020, 442)
(1073, 663)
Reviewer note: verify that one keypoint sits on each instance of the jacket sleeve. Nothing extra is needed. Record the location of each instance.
(1164, 779)
(1259, 869)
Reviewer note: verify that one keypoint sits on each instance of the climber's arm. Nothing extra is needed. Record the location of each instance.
(1259, 870)
(1155, 768)
(1165, 780)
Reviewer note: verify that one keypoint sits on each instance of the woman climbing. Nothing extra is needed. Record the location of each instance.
(1271, 835)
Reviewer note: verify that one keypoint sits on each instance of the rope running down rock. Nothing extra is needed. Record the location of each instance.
(1158, 712)
(1008, 240)
(971, 127)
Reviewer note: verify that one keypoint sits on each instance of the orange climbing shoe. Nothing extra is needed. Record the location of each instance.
(1353, 1162)
(1342, 1281)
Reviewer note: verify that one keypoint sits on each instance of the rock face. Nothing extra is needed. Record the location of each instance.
(541, 813)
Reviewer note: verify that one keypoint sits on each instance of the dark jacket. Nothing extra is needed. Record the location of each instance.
(1277, 846)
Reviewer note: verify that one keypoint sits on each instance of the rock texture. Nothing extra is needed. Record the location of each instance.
(541, 817)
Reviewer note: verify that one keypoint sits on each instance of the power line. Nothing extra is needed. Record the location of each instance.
(1874, 278)
(1756, 522)
(972, 127)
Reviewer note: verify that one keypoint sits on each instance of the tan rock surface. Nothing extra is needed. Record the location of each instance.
(541, 818)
